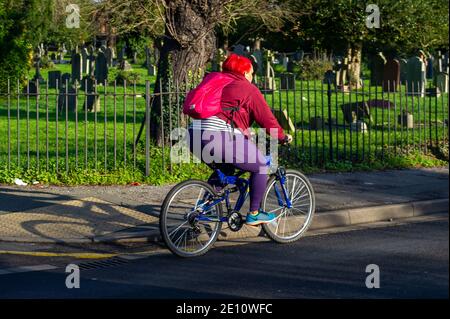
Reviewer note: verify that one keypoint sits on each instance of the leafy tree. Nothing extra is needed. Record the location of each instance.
(58, 31)
(15, 50)
(406, 25)
(184, 30)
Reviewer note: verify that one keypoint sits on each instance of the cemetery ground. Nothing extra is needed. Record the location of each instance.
(98, 148)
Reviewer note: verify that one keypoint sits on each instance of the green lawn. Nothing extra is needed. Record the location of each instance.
(384, 132)
(35, 133)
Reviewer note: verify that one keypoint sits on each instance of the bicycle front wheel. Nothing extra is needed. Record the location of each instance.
(188, 223)
(291, 223)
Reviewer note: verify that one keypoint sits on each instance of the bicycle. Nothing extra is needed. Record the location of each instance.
(192, 213)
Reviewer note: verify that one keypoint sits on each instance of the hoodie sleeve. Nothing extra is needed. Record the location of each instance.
(263, 116)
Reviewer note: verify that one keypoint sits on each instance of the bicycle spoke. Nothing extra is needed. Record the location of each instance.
(296, 193)
(182, 237)
(301, 211)
(290, 222)
(272, 211)
(292, 191)
(170, 234)
(298, 198)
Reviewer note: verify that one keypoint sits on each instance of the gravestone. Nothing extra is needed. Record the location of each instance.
(355, 111)
(88, 84)
(337, 66)
(121, 55)
(433, 92)
(77, 67)
(65, 78)
(287, 81)
(415, 77)
(31, 88)
(359, 126)
(84, 60)
(92, 100)
(68, 97)
(383, 104)
(284, 120)
(430, 68)
(316, 123)
(156, 54)
(53, 77)
(341, 71)
(134, 56)
(268, 82)
(151, 71)
(284, 61)
(37, 63)
(124, 65)
(298, 56)
(377, 69)
(41, 49)
(147, 58)
(406, 120)
(101, 68)
(91, 58)
(439, 63)
(441, 76)
(290, 66)
(61, 53)
(391, 75)
(259, 61)
(442, 82)
(403, 67)
(109, 53)
(239, 49)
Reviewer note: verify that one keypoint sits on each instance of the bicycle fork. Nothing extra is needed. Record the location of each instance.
(281, 176)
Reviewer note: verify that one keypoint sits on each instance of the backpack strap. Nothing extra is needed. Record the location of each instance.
(233, 110)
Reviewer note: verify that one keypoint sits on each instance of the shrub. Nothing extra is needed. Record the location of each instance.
(128, 76)
(46, 63)
(314, 68)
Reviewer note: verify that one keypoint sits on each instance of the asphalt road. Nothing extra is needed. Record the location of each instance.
(412, 258)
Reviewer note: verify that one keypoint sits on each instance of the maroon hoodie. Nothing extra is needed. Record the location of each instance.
(252, 106)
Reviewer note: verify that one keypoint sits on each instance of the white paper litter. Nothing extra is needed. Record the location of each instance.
(20, 182)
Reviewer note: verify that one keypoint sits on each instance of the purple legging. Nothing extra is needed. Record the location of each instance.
(228, 152)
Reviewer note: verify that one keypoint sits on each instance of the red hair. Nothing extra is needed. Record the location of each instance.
(237, 64)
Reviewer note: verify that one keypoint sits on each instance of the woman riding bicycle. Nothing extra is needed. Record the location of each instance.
(224, 137)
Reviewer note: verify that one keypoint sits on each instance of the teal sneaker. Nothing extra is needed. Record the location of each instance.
(260, 218)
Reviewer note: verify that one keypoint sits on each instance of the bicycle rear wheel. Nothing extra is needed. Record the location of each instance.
(189, 230)
(291, 223)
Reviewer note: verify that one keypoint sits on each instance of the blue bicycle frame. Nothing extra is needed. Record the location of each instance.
(242, 185)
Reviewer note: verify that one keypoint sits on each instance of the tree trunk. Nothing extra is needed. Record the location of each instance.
(185, 49)
(354, 65)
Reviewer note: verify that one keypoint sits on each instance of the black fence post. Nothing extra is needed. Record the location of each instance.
(328, 77)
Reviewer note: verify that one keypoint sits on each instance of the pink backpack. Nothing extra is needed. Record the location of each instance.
(204, 101)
